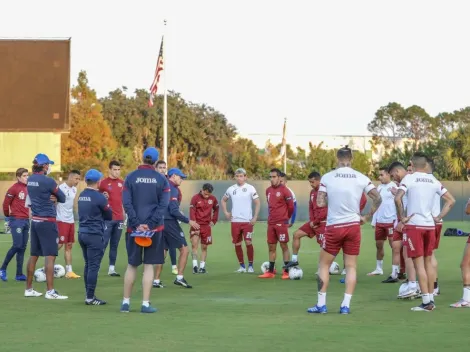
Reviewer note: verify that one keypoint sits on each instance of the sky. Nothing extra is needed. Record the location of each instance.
(326, 66)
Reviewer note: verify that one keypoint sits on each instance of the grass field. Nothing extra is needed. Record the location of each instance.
(226, 311)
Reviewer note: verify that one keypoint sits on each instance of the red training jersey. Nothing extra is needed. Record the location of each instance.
(280, 204)
(204, 210)
(14, 202)
(317, 214)
(114, 187)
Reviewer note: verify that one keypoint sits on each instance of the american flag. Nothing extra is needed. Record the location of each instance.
(156, 78)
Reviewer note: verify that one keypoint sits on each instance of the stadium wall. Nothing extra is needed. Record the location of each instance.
(461, 191)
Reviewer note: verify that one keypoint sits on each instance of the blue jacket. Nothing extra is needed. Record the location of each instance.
(40, 189)
(173, 211)
(145, 198)
(93, 210)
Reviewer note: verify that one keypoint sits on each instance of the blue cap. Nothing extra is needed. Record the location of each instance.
(152, 153)
(42, 159)
(93, 175)
(176, 171)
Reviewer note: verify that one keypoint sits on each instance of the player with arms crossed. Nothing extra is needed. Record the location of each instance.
(66, 221)
(280, 209)
(204, 210)
(344, 188)
(43, 191)
(17, 215)
(243, 195)
(418, 224)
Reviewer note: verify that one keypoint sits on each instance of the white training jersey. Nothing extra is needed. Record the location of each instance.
(387, 212)
(242, 201)
(344, 187)
(421, 189)
(65, 210)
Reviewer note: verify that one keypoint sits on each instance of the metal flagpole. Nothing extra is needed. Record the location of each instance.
(165, 108)
(284, 142)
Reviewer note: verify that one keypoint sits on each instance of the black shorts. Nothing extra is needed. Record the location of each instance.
(44, 238)
(173, 235)
(154, 254)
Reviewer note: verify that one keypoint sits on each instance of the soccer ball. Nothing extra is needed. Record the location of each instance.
(59, 271)
(40, 275)
(265, 267)
(334, 268)
(295, 273)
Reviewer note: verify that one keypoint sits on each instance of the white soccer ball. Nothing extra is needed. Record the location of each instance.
(295, 273)
(40, 275)
(59, 271)
(334, 268)
(265, 267)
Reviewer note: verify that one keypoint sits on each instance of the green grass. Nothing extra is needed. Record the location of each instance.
(232, 312)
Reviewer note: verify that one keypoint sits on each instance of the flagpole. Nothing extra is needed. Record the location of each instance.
(284, 142)
(165, 107)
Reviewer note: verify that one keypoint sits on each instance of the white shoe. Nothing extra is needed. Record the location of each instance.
(409, 294)
(376, 272)
(241, 270)
(461, 304)
(343, 272)
(250, 269)
(32, 293)
(54, 295)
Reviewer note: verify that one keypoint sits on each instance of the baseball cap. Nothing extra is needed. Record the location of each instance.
(93, 175)
(240, 170)
(42, 159)
(176, 171)
(152, 153)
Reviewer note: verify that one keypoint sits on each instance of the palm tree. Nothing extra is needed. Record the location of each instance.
(457, 153)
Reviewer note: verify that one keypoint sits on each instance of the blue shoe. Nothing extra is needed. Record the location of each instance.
(125, 308)
(20, 277)
(318, 310)
(3, 275)
(343, 280)
(344, 310)
(148, 309)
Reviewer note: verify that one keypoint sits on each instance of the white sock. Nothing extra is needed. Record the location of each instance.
(174, 267)
(294, 257)
(111, 268)
(51, 291)
(202, 265)
(395, 271)
(68, 268)
(431, 297)
(346, 300)
(194, 262)
(179, 277)
(466, 294)
(426, 299)
(380, 264)
(321, 299)
(126, 300)
(145, 303)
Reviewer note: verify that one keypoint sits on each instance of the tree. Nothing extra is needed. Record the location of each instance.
(457, 152)
(387, 124)
(418, 125)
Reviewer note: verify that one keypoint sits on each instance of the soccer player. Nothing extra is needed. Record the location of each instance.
(66, 221)
(343, 188)
(243, 195)
(418, 224)
(161, 168)
(204, 210)
(317, 220)
(145, 198)
(93, 210)
(112, 187)
(42, 192)
(385, 217)
(17, 215)
(280, 209)
(294, 214)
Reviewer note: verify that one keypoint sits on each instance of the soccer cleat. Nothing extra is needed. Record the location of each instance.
(113, 273)
(402, 276)
(250, 269)
(437, 291)
(174, 271)
(125, 308)
(344, 310)
(148, 309)
(54, 295)
(429, 307)
(317, 310)
(291, 264)
(95, 302)
(32, 293)
(3, 275)
(158, 284)
(461, 304)
(202, 271)
(267, 275)
(285, 275)
(389, 280)
(21, 277)
(72, 275)
(241, 270)
(194, 269)
(376, 272)
(410, 294)
(182, 282)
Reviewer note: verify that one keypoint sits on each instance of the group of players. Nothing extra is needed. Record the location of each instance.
(150, 199)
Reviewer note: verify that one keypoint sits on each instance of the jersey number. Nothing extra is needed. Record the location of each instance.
(120, 226)
(234, 192)
(209, 239)
(390, 231)
(249, 235)
(282, 237)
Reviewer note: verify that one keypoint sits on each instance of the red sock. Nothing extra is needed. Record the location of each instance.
(239, 252)
(402, 263)
(250, 252)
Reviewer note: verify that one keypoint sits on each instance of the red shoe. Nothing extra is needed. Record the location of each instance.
(267, 275)
(285, 276)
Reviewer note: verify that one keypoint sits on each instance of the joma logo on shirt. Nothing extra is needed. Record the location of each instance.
(424, 180)
(145, 180)
(32, 183)
(84, 199)
(346, 175)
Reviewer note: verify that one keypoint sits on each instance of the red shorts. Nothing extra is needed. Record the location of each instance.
(342, 236)
(311, 233)
(204, 233)
(420, 240)
(241, 231)
(438, 235)
(278, 233)
(66, 232)
(383, 231)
